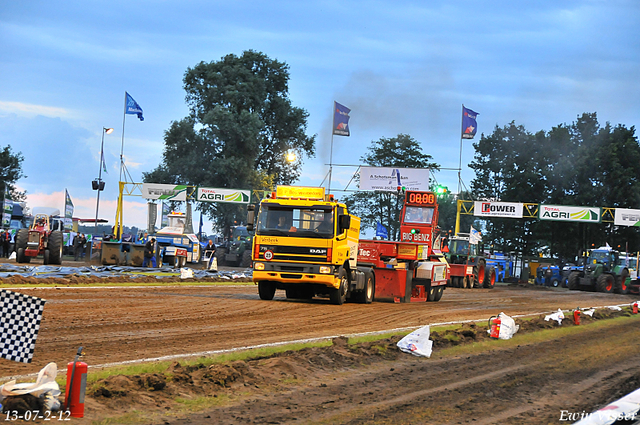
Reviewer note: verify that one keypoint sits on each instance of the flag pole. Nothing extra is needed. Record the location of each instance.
(460, 163)
(124, 115)
(331, 154)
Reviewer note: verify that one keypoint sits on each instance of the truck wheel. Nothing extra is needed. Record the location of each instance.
(45, 257)
(572, 282)
(439, 293)
(339, 295)
(555, 282)
(605, 283)
(489, 277)
(467, 282)
(246, 259)
(368, 292)
(266, 290)
(56, 242)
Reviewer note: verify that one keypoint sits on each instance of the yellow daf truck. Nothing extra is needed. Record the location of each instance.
(307, 244)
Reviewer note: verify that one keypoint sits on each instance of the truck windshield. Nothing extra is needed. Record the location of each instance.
(600, 257)
(303, 222)
(459, 247)
(418, 215)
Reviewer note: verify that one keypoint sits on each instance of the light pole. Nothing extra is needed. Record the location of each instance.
(99, 184)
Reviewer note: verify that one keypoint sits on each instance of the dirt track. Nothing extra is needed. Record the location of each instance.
(120, 324)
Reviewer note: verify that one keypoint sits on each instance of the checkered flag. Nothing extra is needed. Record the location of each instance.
(20, 317)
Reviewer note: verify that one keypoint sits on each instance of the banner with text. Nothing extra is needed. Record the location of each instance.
(497, 209)
(388, 179)
(625, 217)
(234, 196)
(68, 211)
(168, 192)
(567, 213)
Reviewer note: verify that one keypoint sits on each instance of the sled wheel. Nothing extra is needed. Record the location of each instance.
(439, 293)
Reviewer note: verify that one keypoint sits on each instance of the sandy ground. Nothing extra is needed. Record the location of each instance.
(123, 324)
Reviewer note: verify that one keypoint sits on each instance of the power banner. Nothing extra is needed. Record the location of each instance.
(68, 211)
(567, 213)
(497, 209)
(625, 217)
(389, 179)
(233, 196)
(168, 192)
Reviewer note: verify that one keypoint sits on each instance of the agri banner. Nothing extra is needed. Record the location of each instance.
(168, 192)
(7, 210)
(389, 179)
(233, 196)
(568, 213)
(625, 217)
(497, 209)
(68, 211)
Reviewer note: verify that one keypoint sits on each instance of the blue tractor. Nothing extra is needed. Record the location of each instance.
(549, 276)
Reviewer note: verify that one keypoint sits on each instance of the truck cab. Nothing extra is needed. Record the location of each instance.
(305, 243)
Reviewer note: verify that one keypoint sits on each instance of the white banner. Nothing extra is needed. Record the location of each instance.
(497, 209)
(234, 196)
(169, 192)
(567, 213)
(386, 179)
(624, 217)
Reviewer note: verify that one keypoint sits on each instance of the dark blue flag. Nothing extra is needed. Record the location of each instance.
(200, 228)
(340, 120)
(381, 231)
(469, 124)
(133, 107)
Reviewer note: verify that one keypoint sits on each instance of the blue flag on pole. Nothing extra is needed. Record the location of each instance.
(469, 124)
(340, 119)
(200, 228)
(381, 231)
(133, 107)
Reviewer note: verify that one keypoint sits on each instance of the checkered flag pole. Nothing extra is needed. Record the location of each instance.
(20, 317)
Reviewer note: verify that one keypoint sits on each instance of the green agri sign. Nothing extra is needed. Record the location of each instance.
(234, 196)
(567, 213)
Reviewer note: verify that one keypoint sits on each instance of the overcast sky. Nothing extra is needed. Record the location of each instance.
(401, 66)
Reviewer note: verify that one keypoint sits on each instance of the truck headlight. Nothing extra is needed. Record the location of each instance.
(325, 269)
(258, 266)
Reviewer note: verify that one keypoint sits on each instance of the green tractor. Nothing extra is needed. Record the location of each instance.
(605, 270)
(236, 251)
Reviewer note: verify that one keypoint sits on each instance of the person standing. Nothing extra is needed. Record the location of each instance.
(76, 246)
(149, 253)
(83, 245)
(210, 253)
(6, 243)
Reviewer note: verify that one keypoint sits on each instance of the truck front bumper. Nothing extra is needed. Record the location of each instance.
(295, 273)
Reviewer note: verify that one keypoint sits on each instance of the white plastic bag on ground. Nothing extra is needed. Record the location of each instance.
(588, 312)
(417, 342)
(213, 264)
(614, 308)
(186, 273)
(508, 327)
(557, 316)
(46, 382)
(12, 256)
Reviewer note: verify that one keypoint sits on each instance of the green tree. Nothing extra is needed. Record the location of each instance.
(582, 164)
(11, 172)
(401, 151)
(240, 126)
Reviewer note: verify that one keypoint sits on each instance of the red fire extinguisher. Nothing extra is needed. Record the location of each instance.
(634, 307)
(76, 386)
(576, 316)
(495, 326)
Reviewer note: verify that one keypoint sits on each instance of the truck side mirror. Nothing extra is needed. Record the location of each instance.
(251, 216)
(344, 223)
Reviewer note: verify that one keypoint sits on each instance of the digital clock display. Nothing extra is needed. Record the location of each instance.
(421, 198)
